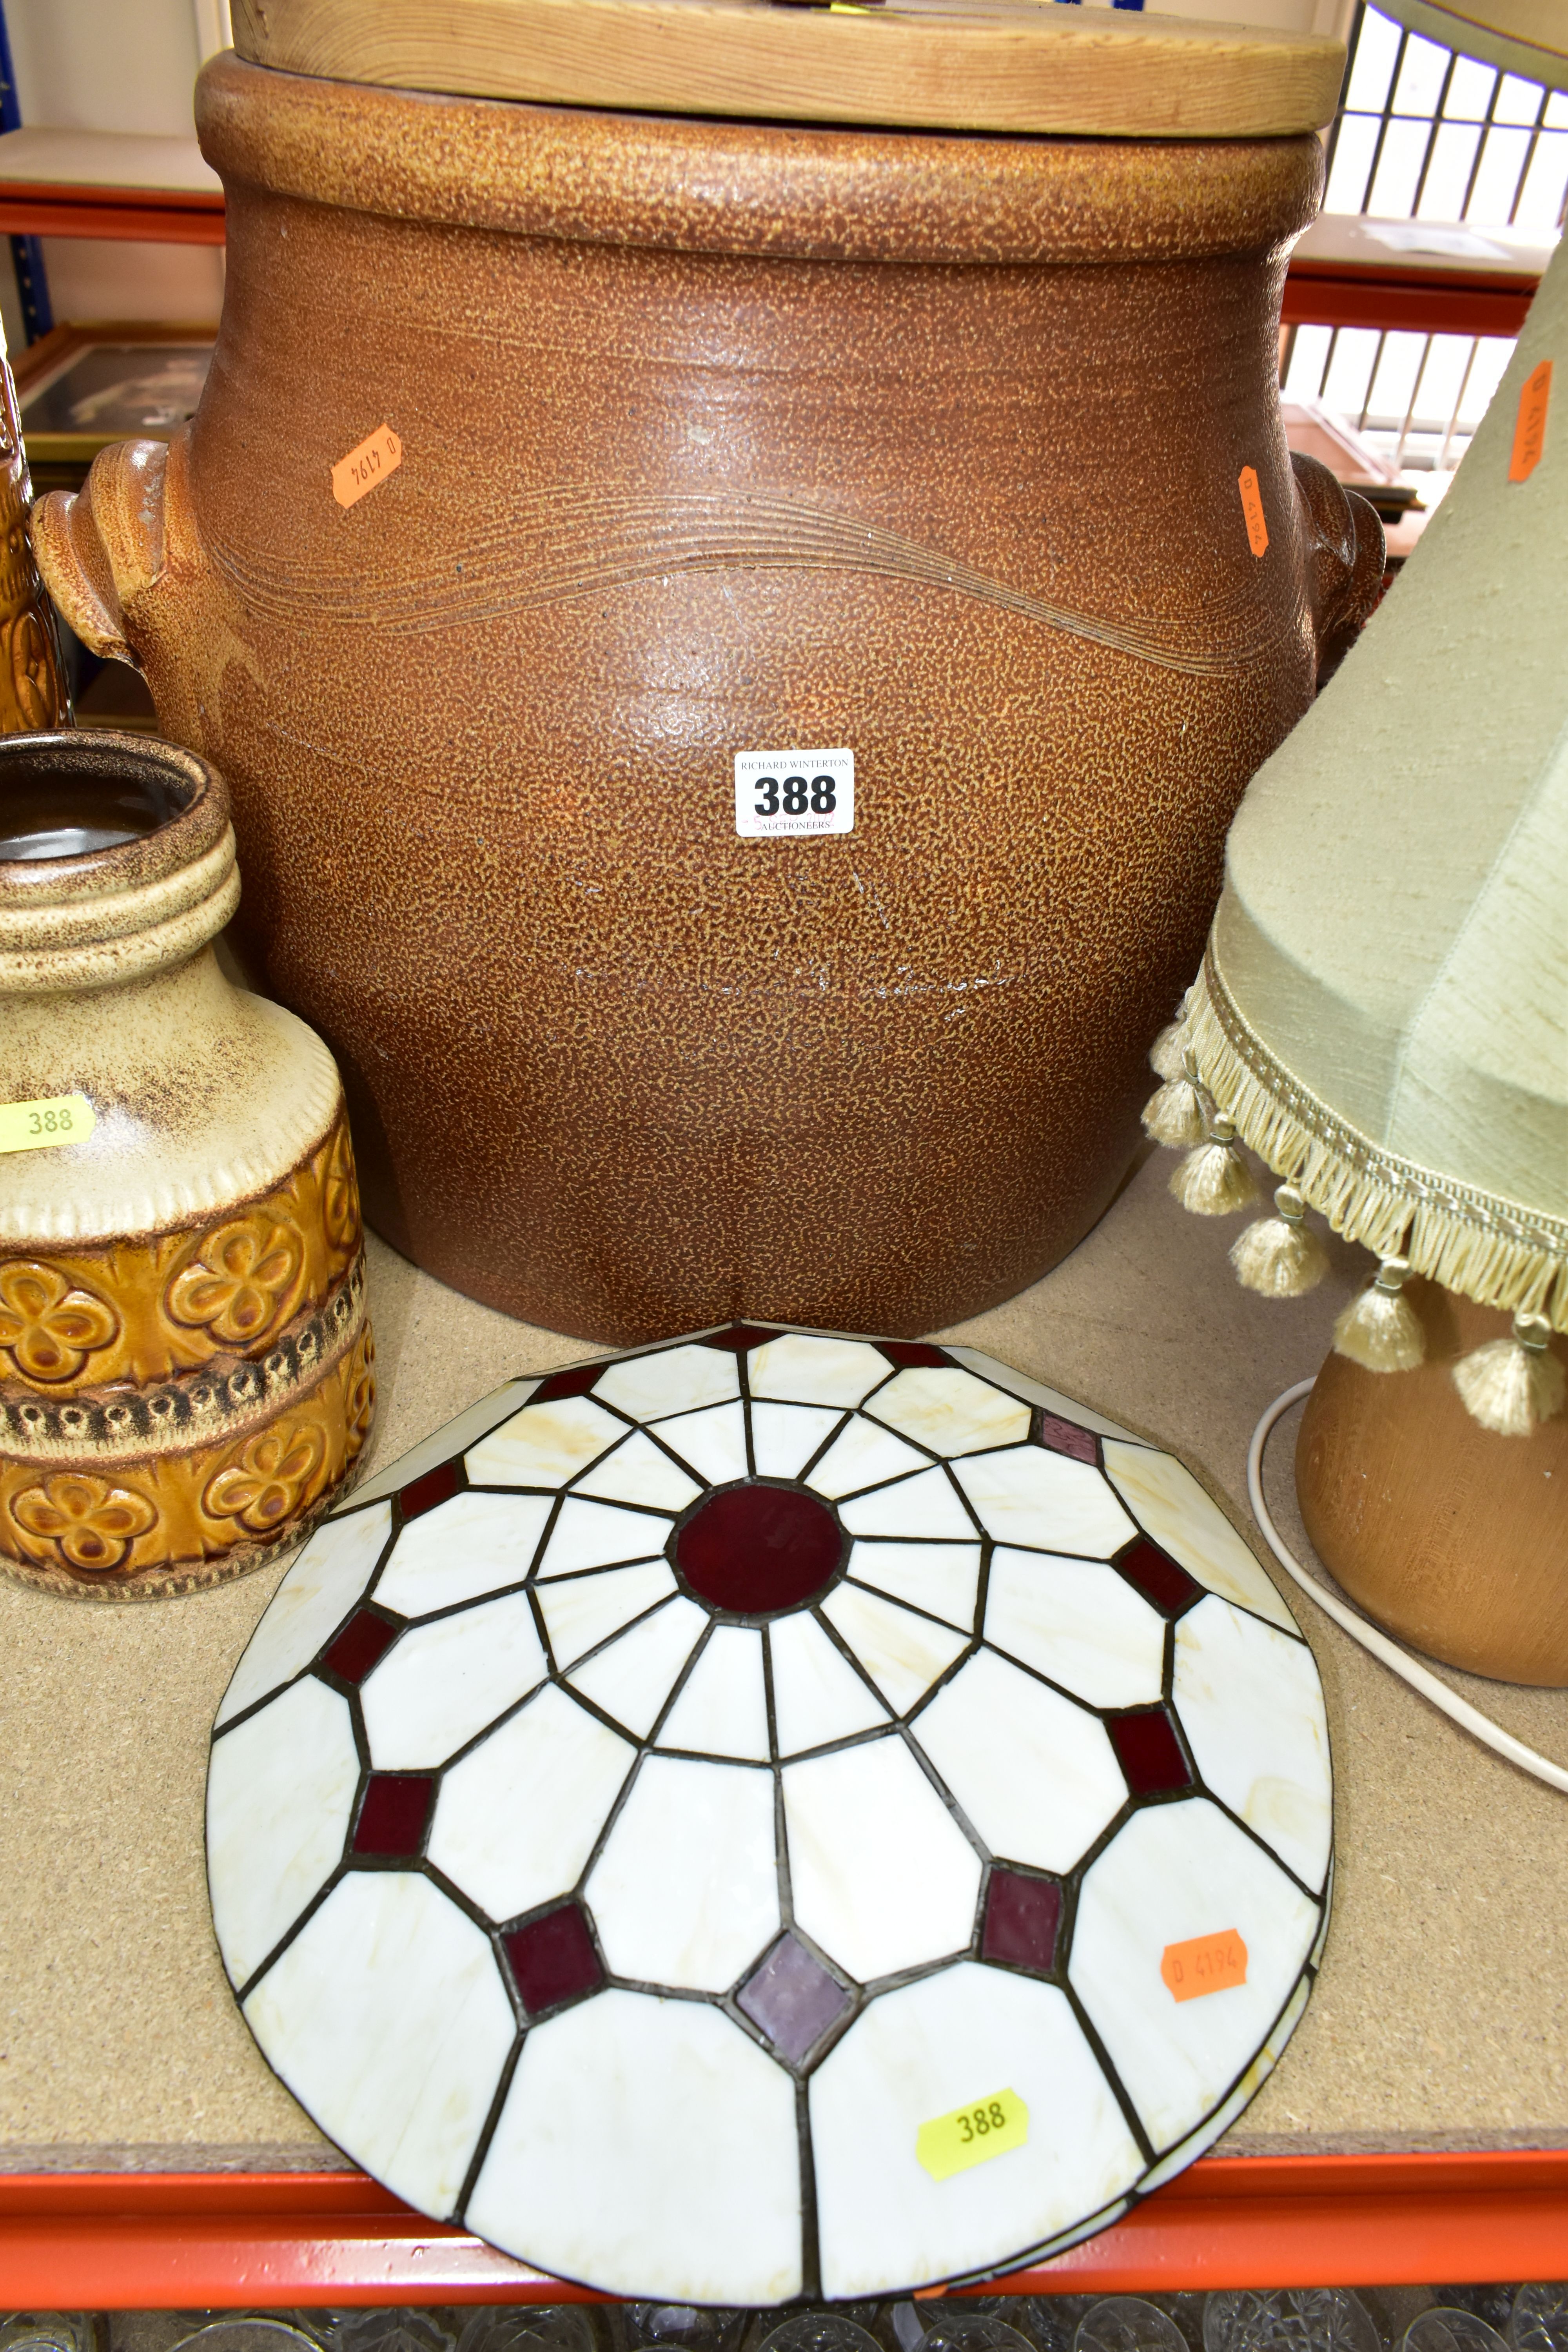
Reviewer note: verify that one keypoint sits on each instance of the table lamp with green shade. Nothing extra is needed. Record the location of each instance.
(1381, 1017)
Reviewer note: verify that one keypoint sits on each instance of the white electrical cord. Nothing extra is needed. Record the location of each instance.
(1459, 1710)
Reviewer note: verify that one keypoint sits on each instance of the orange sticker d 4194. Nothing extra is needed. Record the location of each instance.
(1530, 430)
(366, 468)
(1204, 1964)
(1252, 510)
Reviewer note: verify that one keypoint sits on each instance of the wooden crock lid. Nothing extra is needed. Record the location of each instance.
(958, 65)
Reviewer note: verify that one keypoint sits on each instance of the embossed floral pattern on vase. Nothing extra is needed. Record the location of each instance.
(736, 1799)
(186, 1373)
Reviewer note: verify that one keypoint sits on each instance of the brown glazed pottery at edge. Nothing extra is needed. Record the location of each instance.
(1446, 1534)
(185, 1367)
(717, 437)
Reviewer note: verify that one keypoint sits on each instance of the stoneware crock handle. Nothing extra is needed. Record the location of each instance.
(99, 551)
(1345, 554)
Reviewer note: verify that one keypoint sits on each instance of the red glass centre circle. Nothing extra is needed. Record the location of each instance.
(755, 1549)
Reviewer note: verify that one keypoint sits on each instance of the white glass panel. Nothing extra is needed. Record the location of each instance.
(670, 1379)
(925, 1506)
(470, 1544)
(1442, 376)
(312, 1600)
(1252, 1707)
(1175, 1509)
(516, 1820)
(1033, 1498)
(1081, 1623)
(544, 1444)
(920, 2053)
(818, 1695)
(903, 1653)
(882, 1876)
(1493, 353)
(806, 1370)
(281, 1788)
(632, 1679)
(1517, 100)
(1176, 1872)
(785, 1437)
(1035, 1775)
(722, 1708)
(1394, 383)
(442, 1682)
(452, 1438)
(713, 1443)
(639, 1472)
(581, 1611)
(594, 1535)
(686, 1891)
(863, 1456)
(694, 2157)
(387, 2019)
(944, 1579)
(949, 1412)
(1034, 1392)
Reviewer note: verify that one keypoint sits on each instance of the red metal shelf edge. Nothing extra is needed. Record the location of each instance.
(1425, 301)
(153, 215)
(212, 2241)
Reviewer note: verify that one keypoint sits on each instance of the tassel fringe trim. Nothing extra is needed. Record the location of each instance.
(1464, 1239)
(1511, 1384)
(1281, 1255)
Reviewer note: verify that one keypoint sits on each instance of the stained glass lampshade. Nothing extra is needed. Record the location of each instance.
(777, 1815)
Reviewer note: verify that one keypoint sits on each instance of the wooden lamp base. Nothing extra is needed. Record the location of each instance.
(1453, 1538)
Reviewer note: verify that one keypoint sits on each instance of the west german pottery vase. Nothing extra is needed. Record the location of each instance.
(185, 1367)
(555, 465)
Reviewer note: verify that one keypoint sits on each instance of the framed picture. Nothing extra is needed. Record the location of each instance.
(81, 387)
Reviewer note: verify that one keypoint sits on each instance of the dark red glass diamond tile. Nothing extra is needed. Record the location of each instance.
(911, 1355)
(755, 1549)
(739, 1338)
(576, 1382)
(364, 1639)
(554, 1959)
(1156, 1575)
(395, 1813)
(1065, 1437)
(1023, 1917)
(420, 1495)
(793, 1998)
(1149, 1752)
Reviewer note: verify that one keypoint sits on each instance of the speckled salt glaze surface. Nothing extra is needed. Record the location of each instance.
(686, 1776)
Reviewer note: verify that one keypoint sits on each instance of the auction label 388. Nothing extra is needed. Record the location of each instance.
(793, 793)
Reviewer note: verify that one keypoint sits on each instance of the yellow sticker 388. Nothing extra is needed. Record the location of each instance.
(973, 2135)
(36, 1126)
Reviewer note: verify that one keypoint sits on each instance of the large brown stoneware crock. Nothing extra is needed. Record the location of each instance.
(719, 437)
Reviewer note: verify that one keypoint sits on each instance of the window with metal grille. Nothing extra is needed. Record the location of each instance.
(1425, 134)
